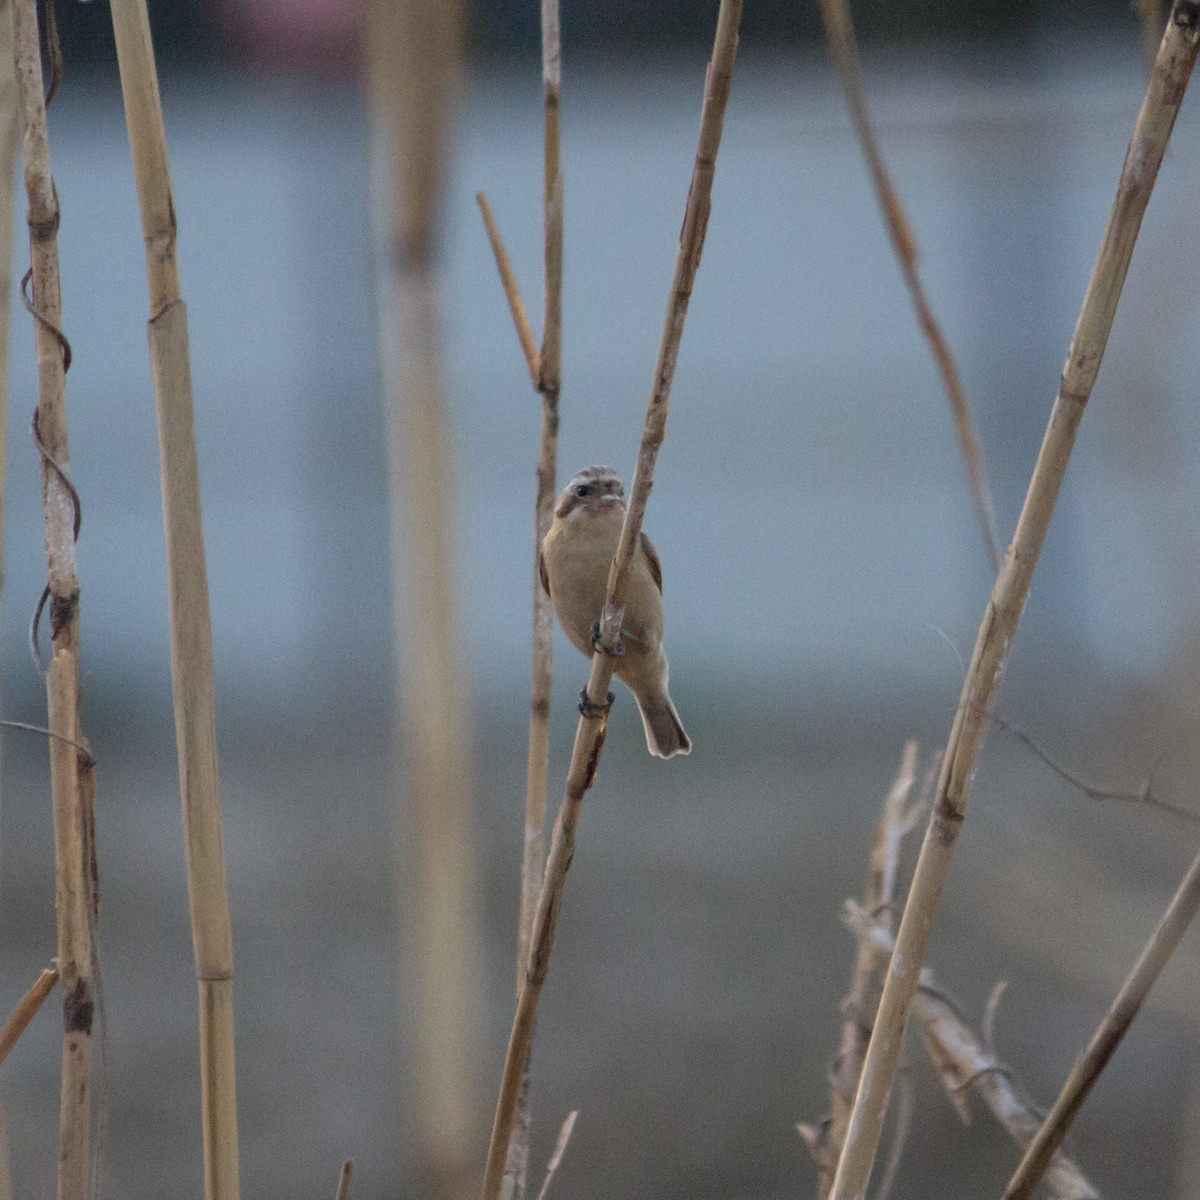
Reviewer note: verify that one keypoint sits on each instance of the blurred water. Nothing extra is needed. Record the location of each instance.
(816, 535)
(810, 448)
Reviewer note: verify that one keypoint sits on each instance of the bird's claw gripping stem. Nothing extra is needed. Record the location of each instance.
(588, 708)
(599, 647)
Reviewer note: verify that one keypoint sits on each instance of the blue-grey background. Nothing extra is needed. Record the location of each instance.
(824, 576)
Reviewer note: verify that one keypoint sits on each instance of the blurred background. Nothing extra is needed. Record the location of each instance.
(824, 581)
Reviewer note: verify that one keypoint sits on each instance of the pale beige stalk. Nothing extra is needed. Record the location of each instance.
(1164, 94)
(8, 152)
(187, 591)
(843, 48)
(72, 814)
(589, 734)
(825, 1141)
(542, 654)
(415, 62)
(963, 1063)
(26, 1010)
(1155, 955)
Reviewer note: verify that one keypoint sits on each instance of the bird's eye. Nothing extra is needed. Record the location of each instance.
(582, 490)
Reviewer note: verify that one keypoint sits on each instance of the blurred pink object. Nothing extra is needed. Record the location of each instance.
(322, 36)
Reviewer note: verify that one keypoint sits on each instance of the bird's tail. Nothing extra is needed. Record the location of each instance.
(665, 734)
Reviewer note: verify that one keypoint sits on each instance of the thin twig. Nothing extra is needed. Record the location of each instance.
(26, 1010)
(1164, 94)
(963, 1063)
(1143, 796)
(192, 673)
(1155, 955)
(589, 734)
(70, 781)
(512, 292)
(843, 47)
(343, 1186)
(560, 1148)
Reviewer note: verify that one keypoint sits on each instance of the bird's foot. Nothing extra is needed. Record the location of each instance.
(598, 646)
(588, 708)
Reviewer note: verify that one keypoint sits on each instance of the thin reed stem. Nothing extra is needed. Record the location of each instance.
(589, 734)
(70, 774)
(8, 152)
(548, 383)
(825, 1143)
(187, 590)
(512, 293)
(1164, 94)
(843, 48)
(343, 1186)
(26, 1010)
(1108, 1036)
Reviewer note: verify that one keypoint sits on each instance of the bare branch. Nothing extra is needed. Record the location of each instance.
(26, 1010)
(839, 32)
(512, 292)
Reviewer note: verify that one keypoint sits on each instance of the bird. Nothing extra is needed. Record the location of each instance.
(573, 564)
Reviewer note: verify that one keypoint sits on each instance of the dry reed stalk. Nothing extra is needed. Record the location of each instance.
(414, 64)
(963, 1062)
(26, 1010)
(8, 151)
(548, 383)
(825, 1141)
(560, 1148)
(1155, 955)
(1164, 94)
(70, 768)
(512, 292)
(343, 1187)
(187, 588)
(843, 48)
(589, 734)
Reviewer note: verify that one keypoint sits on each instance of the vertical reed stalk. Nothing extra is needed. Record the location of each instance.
(8, 151)
(415, 62)
(72, 814)
(1164, 94)
(589, 734)
(1124, 1008)
(542, 655)
(187, 587)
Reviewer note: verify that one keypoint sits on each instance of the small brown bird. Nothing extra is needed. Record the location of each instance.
(577, 552)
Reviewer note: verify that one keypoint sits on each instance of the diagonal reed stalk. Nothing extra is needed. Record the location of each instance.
(589, 734)
(187, 586)
(70, 768)
(1164, 94)
(1124, 1008)
(843, 49)
(26, 1010)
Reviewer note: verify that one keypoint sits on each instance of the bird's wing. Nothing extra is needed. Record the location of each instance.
(652, 561)
(542, 574)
